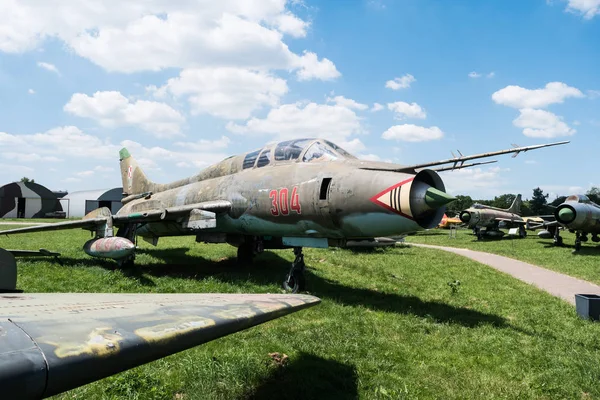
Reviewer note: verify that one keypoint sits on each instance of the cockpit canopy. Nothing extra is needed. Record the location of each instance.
(580, 198)
(306, 150)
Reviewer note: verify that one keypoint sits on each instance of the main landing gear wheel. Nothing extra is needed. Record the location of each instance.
(479, 234)
(577, 242)
(558, 241)
(522, 232)
(294, 281)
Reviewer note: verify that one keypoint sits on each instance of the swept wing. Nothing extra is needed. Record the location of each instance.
(52, 342)
(458, 162)
(101, 216)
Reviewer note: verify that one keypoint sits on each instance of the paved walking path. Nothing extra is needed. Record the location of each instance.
(560, 285)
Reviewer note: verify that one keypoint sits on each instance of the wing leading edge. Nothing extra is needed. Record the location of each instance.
(101, 216)
(458, 162)
(55, 342)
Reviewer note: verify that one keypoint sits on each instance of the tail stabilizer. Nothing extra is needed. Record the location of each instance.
(134, 179)
(515, 207)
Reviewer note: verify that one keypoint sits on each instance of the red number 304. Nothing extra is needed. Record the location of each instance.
(281, 204)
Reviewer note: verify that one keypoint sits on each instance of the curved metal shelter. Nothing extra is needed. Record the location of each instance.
(28, 200)
(82, 202)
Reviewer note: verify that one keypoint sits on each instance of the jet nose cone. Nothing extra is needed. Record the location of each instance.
(435, 198)
(465, 216)
(566, 215)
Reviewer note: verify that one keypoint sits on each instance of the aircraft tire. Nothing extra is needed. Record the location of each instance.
(294, 282)
(558, 241)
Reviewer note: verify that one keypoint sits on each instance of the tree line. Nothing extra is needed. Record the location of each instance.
(537, 205)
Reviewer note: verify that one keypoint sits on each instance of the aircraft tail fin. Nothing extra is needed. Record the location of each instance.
(134, 180)
(515, 207)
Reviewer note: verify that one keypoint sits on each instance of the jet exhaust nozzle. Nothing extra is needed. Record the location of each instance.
(428, 199)
(109, 247)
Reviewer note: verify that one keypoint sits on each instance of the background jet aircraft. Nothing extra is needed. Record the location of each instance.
(492, 219)
(293, 194)
(447, 222)
(577, 214)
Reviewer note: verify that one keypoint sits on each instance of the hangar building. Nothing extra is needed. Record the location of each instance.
(81, 203)
(28, 200)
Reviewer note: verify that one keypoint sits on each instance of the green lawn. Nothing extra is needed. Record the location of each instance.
(389, 326)
(584, 264)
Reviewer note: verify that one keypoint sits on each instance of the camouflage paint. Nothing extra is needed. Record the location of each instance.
(55, 342)
(38, 200)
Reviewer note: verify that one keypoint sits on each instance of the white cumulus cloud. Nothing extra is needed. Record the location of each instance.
(519, 97)
(226, 92)
(48, 67)
(588, 8)
(346, 102)
(404, 110)
(112, 109)
(158, 34)
(377, 107)
(288, 121)
(400, 83)
(310, 67)
(542, 124)
(412, 133)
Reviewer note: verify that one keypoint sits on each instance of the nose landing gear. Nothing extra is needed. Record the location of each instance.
(294, 281)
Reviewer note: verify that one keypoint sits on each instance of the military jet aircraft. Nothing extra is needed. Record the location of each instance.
(577, 214)
(292, 194)
(449, 222)
(53, 342)
(480, 216)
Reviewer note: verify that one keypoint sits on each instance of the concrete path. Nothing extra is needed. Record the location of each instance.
(24, 223)
(560, 285)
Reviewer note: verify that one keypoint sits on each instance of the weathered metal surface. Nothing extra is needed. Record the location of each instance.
(302, 188)
(579, 213)
(492, 218)
(50, 343)
(109, 247)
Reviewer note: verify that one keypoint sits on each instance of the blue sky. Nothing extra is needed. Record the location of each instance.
(185, 83)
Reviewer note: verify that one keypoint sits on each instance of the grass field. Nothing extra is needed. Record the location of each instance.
(584, 264)
(390, 326)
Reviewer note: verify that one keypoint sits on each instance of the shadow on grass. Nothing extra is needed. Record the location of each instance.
(309, 377)
(589, 250)
(270, 268)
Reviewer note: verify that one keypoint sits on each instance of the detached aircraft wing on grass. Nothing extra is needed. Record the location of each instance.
(53, 342)
(293, 194)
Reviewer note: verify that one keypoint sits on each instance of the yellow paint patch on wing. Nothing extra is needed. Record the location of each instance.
(101, 342)
(269, 306)
(235, 313)
(293, 301)
(170, 330)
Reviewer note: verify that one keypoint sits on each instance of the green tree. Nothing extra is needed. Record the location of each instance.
(558, 200)
(504, 200)
(526, 209)
(594, 194)
(27, 180)
(461, 203)
(538, 202)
